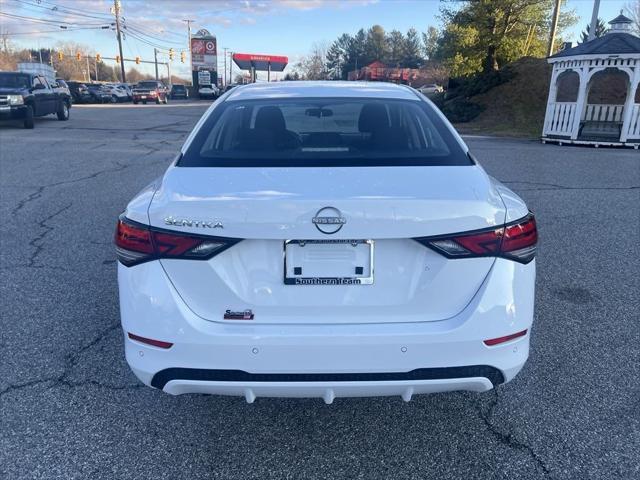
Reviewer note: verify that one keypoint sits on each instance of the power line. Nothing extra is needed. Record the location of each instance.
(42, 20)
(72, 29)
(55, 10)
(151, 32)
(146, 42)
(62, 8)
(137, 30)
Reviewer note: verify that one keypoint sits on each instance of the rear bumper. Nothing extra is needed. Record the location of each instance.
(326, 361)
(328, 391)
(139, 97)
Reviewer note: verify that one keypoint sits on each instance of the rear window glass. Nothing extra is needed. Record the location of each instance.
(323, 132)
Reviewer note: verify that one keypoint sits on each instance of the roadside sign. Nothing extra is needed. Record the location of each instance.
(204, 77)
(204, 53)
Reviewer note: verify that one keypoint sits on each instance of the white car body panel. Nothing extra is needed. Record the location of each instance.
(422, 311)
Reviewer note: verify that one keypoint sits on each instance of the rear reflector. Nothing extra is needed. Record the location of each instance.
(137, 243)
(496, 341)
(515, 241)
(150, 341)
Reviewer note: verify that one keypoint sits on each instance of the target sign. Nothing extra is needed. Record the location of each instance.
(211, 47)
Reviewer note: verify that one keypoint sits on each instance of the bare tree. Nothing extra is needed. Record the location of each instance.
(633, 10)
(314, 65)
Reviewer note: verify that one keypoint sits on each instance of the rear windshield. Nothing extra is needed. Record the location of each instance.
(14, 80)
(323, 132)
(179, 87)
(147, 85)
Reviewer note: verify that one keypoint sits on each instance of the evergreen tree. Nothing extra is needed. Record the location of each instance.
(601, 29)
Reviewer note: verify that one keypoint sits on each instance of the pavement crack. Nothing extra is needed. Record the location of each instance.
(36, 242)
(507, 438)
(71, 360)
(40, 190)
(30, 198)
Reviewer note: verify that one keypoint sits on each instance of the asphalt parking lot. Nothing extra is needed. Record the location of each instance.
(70, 408)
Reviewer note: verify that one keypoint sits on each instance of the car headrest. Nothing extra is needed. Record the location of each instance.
(373, 117)
(270, 118)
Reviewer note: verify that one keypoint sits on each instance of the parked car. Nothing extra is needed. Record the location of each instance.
(118, 93)
(386, 261)
(208, 91)
(179, 91)
(127, 89)
(24, 96)
(430, 88)
(150, 91)
(79, 92)
(61, 86)
(99, 93)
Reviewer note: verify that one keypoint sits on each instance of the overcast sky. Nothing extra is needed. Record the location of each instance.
(279, 27)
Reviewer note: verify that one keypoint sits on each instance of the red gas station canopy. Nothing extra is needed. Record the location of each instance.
(275, 63)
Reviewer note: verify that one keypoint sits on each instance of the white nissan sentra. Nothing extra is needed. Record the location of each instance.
(325, 239)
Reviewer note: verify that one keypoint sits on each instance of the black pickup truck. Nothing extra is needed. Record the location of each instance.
(24, 96)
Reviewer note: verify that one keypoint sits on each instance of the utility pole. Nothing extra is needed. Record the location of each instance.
(96, 65)
(155, 60)
(225, 65)
(189, 22)
(594, 20)
(116, 12)
(554, 27)
(230, 67)
(88, 70)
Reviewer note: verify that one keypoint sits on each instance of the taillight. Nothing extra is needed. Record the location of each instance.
(137, 243)
(515, 241)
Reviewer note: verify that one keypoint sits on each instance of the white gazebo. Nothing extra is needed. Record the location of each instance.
(594, 97)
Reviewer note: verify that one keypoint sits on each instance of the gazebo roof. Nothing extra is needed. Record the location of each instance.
(609, 44)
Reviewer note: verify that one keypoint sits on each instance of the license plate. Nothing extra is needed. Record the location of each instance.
(328, 262)
(143, 96)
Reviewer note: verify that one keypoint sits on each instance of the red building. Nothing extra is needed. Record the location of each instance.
(379, 72)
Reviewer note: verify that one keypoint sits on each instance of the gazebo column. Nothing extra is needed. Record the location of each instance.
(628, 104)
(580, 102)
(551, 99)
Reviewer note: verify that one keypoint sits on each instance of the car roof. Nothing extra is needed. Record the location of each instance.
(326, 89)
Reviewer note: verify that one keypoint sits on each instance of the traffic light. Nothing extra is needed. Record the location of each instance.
(137, 60)
(183, 57)
(78, 56)
(117, 58)
(171, 54)
(98, 57)
(60, 56)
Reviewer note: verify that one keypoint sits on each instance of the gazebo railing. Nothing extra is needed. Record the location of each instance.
(560, 117)
(604, 113)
